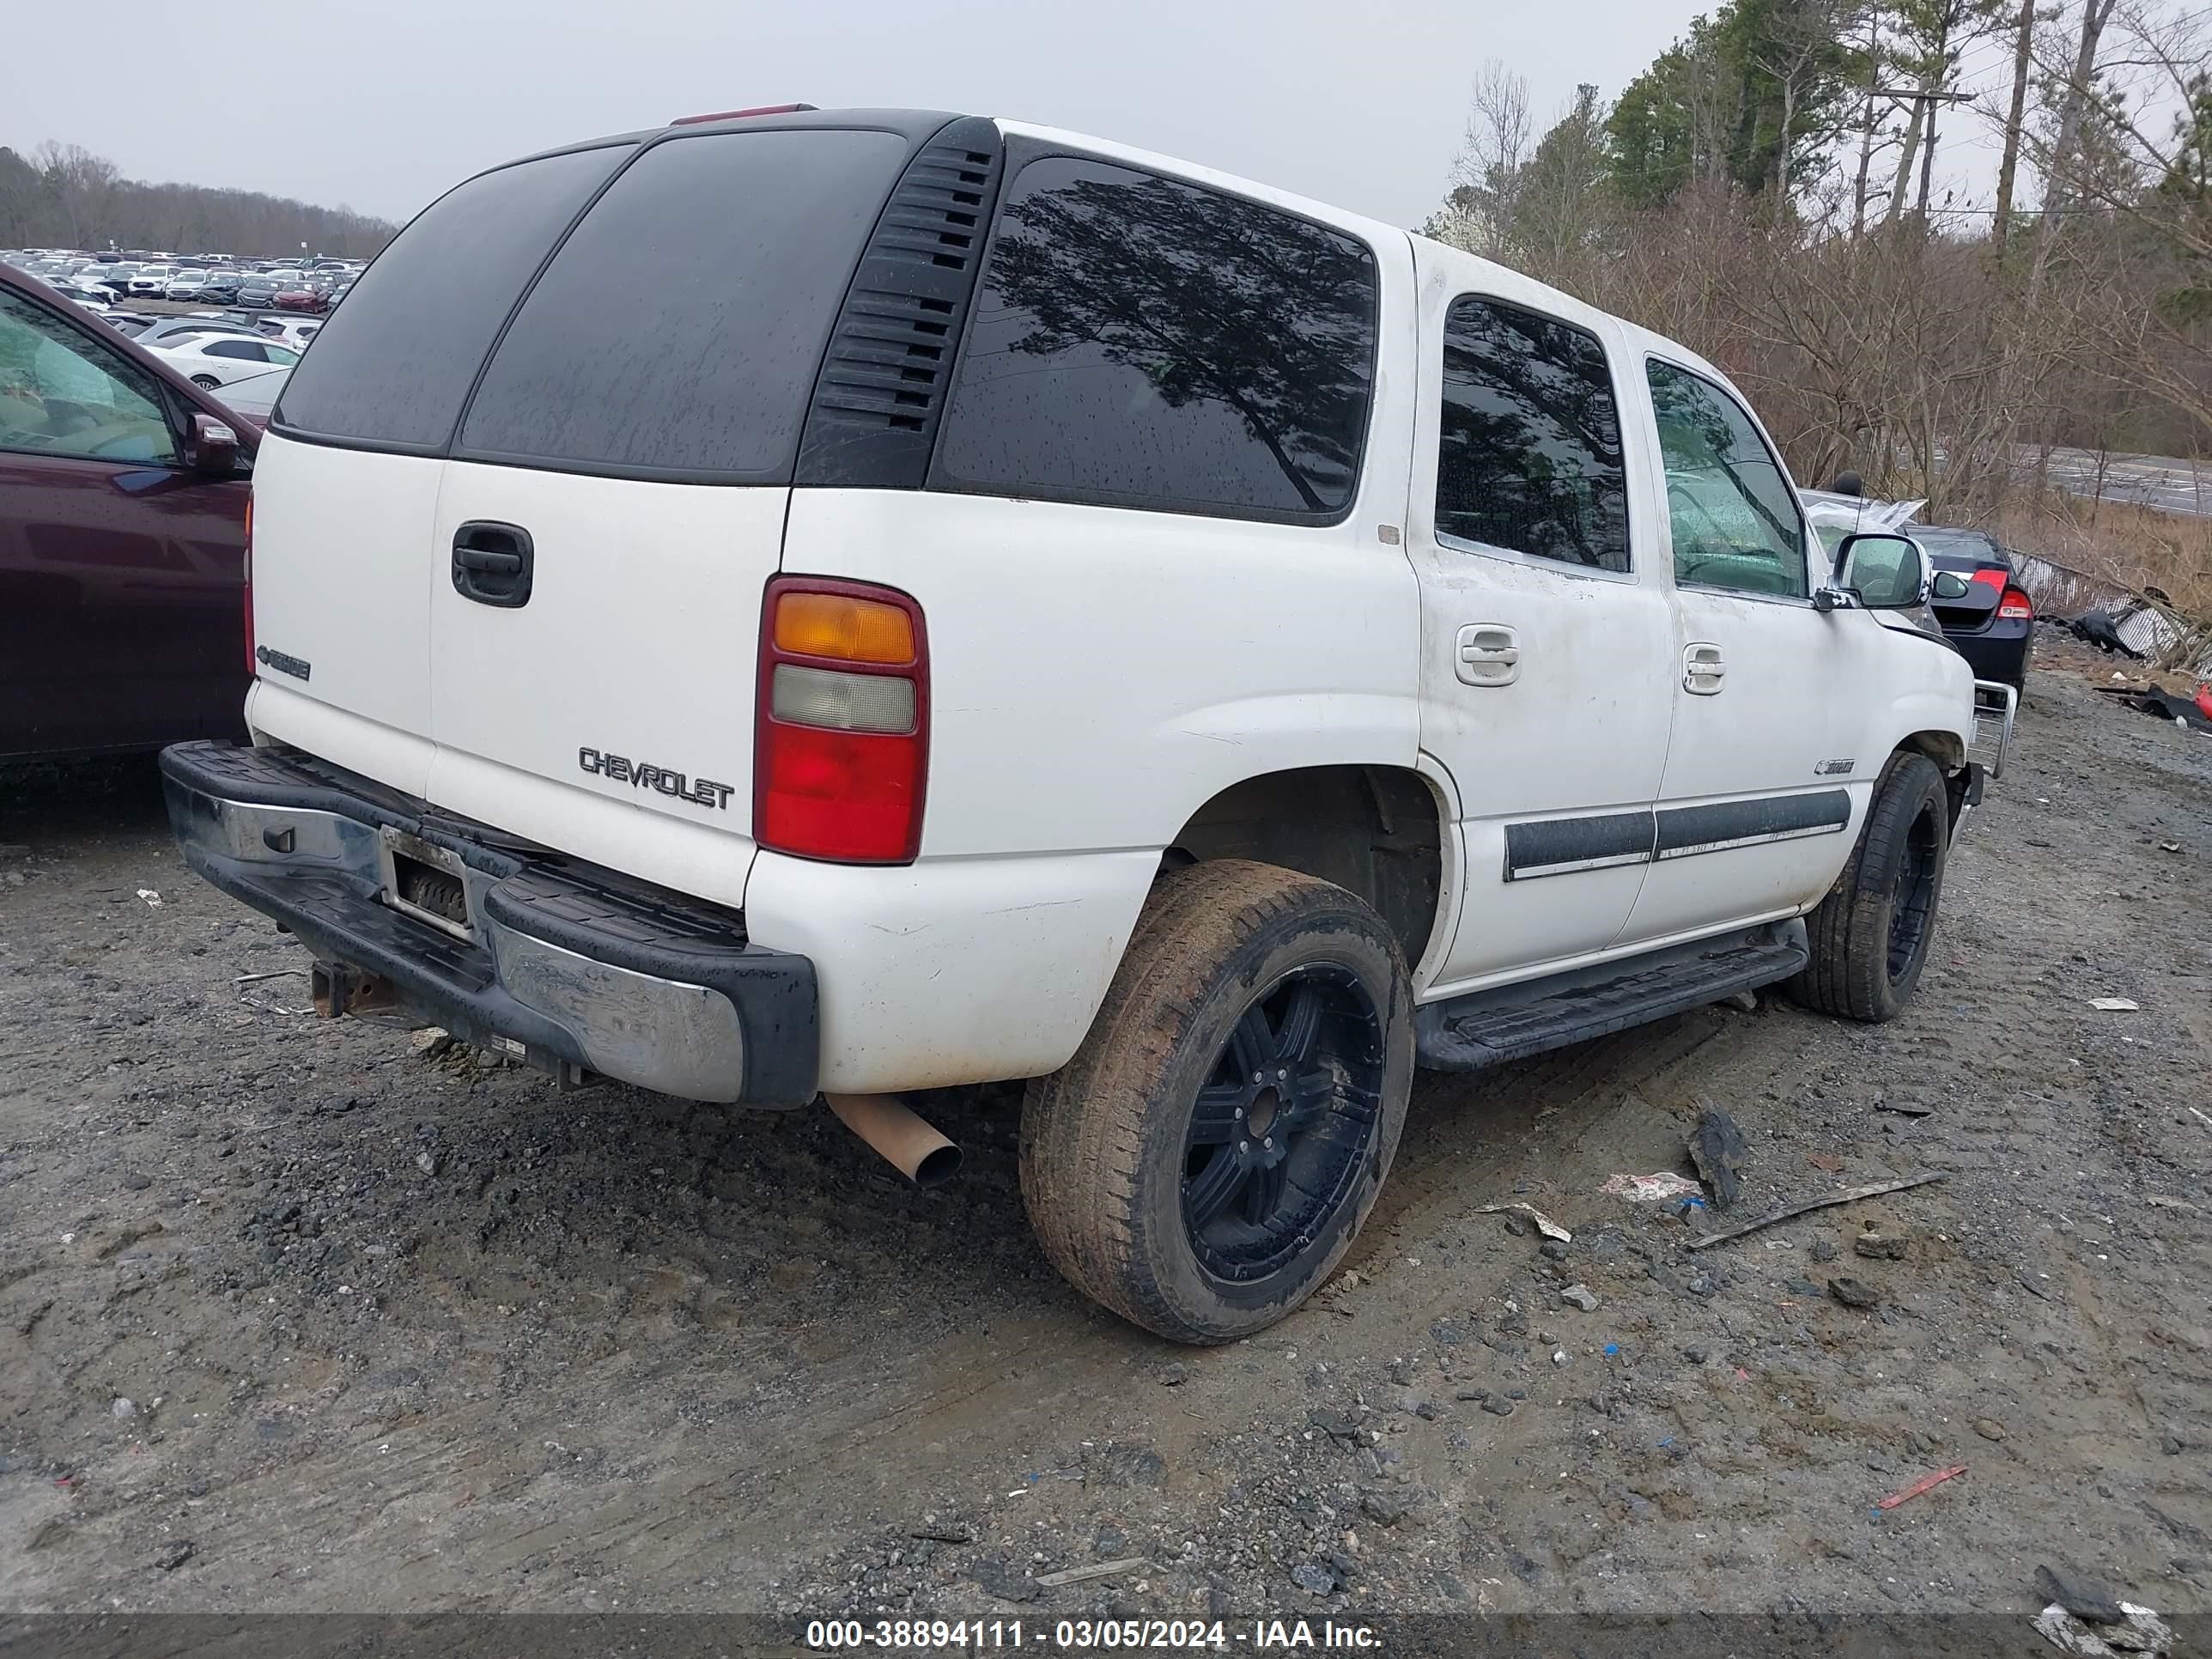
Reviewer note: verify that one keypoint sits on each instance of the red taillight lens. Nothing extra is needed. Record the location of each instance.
(251, 666)
(2015, 603)
(840, 750)
(1991, 578)
(840, 795)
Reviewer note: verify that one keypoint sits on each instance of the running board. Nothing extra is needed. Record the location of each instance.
(1489, 1028)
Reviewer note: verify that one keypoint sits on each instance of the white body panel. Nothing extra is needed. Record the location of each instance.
(1809, 704)
(640, 639)
(1581, 725)
(951, 970)
(1094, 681)
(340, 580)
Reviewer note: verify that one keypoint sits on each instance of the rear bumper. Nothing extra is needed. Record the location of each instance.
(559, 962)
(1998, 651)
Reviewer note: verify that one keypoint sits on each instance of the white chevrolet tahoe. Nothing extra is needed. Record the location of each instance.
(812, 604)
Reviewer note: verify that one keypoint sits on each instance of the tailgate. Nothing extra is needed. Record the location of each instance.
(341, 556)
(628, 673)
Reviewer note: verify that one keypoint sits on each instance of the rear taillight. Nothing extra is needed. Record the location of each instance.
(1991, 577)
(2015, 603)
(246, 587)
(841, 748)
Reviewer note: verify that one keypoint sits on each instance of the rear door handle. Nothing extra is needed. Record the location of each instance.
(1489, 653)
(493, 563)
(1703, 671)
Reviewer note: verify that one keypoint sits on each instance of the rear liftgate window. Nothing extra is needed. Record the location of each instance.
(1141, 342)
(677, 331)
(394, 363)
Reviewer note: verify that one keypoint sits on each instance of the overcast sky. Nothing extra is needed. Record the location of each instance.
(382, 103)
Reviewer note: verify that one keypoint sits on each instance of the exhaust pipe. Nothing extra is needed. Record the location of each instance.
(919, 1153)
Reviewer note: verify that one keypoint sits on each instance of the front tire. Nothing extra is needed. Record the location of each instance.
(207, 382)
(1870, 935)
(1211, 1151)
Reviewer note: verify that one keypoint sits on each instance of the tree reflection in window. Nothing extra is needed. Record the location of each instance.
(1529, 456)
(1143, 341)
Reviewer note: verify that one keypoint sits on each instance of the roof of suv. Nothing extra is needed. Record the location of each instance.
(914, 125)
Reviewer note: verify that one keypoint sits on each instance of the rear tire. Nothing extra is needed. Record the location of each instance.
(1211, 1151)
(207, 382)
(1870, 935)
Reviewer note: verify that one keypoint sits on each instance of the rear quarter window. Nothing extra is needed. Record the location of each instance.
(678, 331)
(1140, 341)
(394, 365)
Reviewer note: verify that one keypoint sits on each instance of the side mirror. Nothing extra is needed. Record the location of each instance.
(1884, 570)
(214, 451)
(1949, 585)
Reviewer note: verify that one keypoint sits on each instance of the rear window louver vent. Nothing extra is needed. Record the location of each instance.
(889, 365)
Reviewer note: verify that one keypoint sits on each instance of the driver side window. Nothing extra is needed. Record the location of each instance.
(60, 394)
(1735, 521)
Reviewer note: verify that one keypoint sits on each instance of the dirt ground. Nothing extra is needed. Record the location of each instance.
(295, 1316)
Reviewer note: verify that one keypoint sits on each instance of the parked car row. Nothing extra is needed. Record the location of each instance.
(96, 279)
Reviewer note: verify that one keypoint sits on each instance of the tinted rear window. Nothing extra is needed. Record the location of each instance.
(678, 331)
(1144, 342)
(394, 365)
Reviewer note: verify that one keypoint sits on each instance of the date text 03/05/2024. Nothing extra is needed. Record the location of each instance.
(1218, 1635)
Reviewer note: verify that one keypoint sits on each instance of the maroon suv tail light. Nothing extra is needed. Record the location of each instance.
(247, 587)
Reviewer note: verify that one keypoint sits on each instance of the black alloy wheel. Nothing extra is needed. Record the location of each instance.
(1279, 1133)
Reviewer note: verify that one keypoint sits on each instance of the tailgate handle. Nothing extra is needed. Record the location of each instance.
(492, 563)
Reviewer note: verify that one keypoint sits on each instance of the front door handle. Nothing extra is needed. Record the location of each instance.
(1489, 654)
(1703, 671)
(493, 563)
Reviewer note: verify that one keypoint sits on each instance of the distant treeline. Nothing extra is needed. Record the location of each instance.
(63, 196)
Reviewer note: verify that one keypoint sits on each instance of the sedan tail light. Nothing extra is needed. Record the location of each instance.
(251, 666)
(841, 745)
(2014, 603)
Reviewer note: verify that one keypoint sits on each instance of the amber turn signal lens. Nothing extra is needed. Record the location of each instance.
(843, 628)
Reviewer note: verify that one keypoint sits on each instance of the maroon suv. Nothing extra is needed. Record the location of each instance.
(123, 509)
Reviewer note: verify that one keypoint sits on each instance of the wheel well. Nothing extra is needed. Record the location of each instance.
(1944, 748)
(1375, 830)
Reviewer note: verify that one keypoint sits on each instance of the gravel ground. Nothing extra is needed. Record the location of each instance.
(295, 1315)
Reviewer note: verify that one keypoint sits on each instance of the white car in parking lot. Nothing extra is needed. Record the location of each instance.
(293, 332)
(214, 360)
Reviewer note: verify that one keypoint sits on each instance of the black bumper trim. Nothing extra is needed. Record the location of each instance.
(594, 912)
